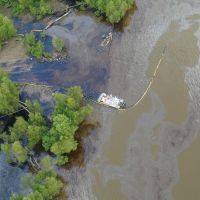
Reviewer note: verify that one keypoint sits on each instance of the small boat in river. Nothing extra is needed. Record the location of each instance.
(111, 101)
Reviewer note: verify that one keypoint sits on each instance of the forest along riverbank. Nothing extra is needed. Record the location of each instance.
(136, 152)
(87, 64)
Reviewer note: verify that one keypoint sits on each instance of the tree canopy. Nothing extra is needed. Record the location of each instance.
(67, 116)
(44, 185)
(7, 29)
(37, 8)
(56, 136)
(58, 44)
(24, 135)
(9, 94)
(114, 10)
(33, 47)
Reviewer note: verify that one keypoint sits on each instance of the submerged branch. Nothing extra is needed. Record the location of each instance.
(24, 107)
(34, 163)
(3, 116)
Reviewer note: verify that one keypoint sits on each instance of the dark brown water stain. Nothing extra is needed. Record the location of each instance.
(118, 27)
(77, 157)
(182, 51)
(62, 194)
(124, 23)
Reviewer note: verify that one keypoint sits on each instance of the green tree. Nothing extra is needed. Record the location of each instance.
(9, 95)
(47, 184)
(37, 8)
(16, 197)
(6, 148)
(114, 10)
(7, 29)
(19, 152)
(44, 185)
(34, 47)
(36, 128)
(67, 116)
(18, 130)
(61, 159)
(58, 44)
(30, 130)
(47, 163)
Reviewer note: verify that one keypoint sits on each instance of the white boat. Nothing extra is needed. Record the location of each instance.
(111, 101)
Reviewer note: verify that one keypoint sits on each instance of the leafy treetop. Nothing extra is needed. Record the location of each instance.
(67, 116)
(114, 10)
(9, 94)
(37, 8)
(7, 29)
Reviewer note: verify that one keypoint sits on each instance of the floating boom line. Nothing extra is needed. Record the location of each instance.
(150, 82)
(91, 99)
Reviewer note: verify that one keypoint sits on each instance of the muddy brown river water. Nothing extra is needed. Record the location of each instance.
(150, 152)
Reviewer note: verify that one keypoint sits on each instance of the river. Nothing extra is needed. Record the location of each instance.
(149, 152)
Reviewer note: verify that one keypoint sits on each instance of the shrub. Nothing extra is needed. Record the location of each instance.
(30, 131)
(24, 135)
(56, 134)
(7, 29)
(37, 8)
(45, 185)
(67, 116)
(9, 94)
(114, 10)
(58, 44)
(34, 47)
(19, 152)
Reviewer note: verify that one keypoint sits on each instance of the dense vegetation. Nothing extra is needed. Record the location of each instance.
(114, 10)
(7, 29)
(44, 185)
(21, 138)
(67, 116)
(56, 135)
(38, 8)
(58, 44)
(9, 94)
(33, 47)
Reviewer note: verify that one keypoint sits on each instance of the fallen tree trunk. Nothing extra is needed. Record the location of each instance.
(56, 20)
